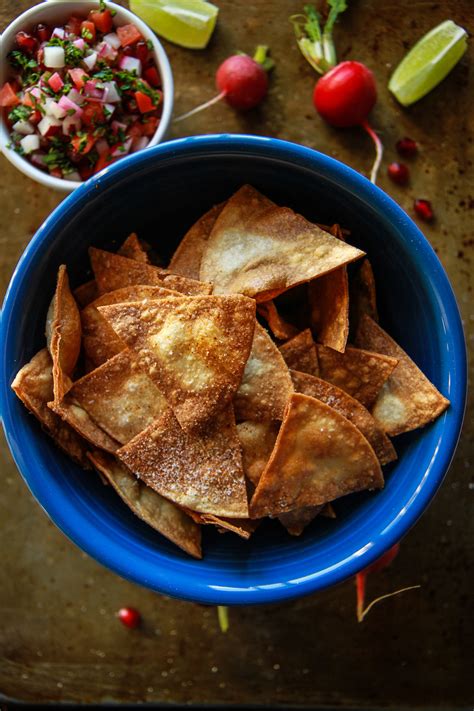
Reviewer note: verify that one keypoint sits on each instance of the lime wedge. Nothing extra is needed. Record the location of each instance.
(428, 62)
(189, 23)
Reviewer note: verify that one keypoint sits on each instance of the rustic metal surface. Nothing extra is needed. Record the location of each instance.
(59, 639)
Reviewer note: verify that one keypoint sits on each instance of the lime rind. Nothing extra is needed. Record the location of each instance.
(188, 23)
(428, 62)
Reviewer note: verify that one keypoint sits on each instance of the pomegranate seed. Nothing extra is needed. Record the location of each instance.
(398, 172)
(141, 51)
(43, 32)
(26, 42)
(129, 617)
(424, 210)
(407, 147)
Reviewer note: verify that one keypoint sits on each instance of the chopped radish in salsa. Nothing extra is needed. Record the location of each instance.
(81, 96)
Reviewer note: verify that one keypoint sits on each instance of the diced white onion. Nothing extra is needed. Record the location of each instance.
(111, 94)
(90, 60)
(55, 110)
(46, 123)
(139, 143)
(113, 40)
(23, 127)
(131, 64)
(73, 175)
(54, 57)
(30, 143)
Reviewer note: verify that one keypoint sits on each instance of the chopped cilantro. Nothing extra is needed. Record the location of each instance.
(73, 55)
(26, 65)
(93, 157)
(56, 157)
(20, 113)
(149, 44)
(105, 74)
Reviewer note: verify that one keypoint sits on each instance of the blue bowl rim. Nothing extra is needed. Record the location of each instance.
(79, 530)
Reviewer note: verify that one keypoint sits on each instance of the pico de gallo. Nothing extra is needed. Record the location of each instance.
(81, 95)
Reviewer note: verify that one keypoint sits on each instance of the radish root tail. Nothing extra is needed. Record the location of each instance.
(378, 150)
(201, 107)
(361, 613)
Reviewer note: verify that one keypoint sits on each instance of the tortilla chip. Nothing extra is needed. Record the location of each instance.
(266, 382)
(351, 409)
(363, 298)
(99, 340)
(202, 472)
(187, 258)
(296, 521)
(359, 373)
(194, 347)
(300, 353)
(121, 399)
(113, 271)
(63, 334)
(33, 384)
(159, 513)
(318, 456)
(243, 527)
(257, 440)
(329, 304)
(280, 328)
(133, 248)
(261, 250)
(407, 400)
(328, 511)
(77, 418)
(86, 293)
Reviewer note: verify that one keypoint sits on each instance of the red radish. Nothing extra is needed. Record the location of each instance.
(407, 147)
(43, 32)
(242, 81)
(129, 616)
(399, 173)
(380, 564)
(344, 97)
(26, 42)
(424, 210)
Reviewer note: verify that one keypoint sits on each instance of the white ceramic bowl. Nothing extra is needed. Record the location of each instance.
(56, 12)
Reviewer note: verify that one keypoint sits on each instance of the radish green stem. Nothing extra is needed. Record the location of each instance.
(261, 56)
(196, 110)
(223, 617)
(378, 151)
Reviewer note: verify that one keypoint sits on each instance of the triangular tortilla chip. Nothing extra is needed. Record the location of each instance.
(133, 248)
(120, 398)
(86, 293)
(350, 408)
(263, 252)
(34, 386)
(358, 372)
(407, 400)
(159, 513)
(280, 328)
(77, 418)
(194, 347)
(63, 334)
(329, 304)
(318, 456)
(266, 382)
(113, 271)
(363, 297)
(300, 353)
(257, 440)
(187, 258)
(99, 340)
(202, 471)
(296, 521)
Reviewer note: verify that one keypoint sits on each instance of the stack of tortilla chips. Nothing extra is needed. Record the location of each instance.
(222, 390)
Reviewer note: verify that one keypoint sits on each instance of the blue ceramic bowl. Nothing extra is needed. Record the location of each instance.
(159, 193)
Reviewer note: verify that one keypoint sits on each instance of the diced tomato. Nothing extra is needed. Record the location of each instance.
(26, 42)
(83, 144)
(28, 100)
(102, 162)
(150, 125)
(92, 113)
(8, 96)
(102, 20)
(152, 76)
(78, 76)
(35, 117)
(128, 34)
(56, 172)
(144, 103)
(141, 51)
(85, 170)
(73, 25)
(135, 130)
(88, 31)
